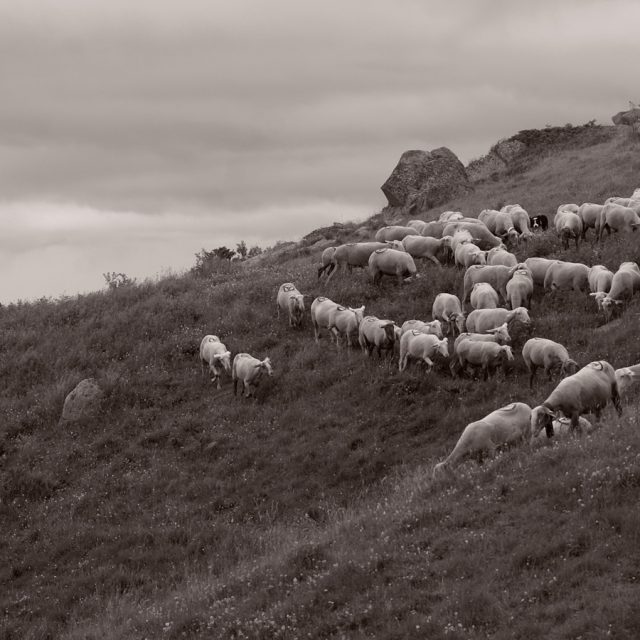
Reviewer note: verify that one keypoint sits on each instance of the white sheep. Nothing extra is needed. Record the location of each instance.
(434, 327)
(486, 355)
(627, 378)
(538, 268)
(249, 371)
(484, 296)
(506, 426)
(550, 355)
(499, 255)
(421, 346)
(291, 301)
(587, 391)
(625, 282)
(520, 288)
(378, 334)
(567, 276)
(448, 309)
(426, 247)
(568, 225)
(216, 355)
(467, 254)
(480, 320)
(562, 428)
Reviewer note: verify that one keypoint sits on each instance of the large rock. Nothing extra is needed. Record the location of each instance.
(83, 402)
(496, 162)
(630, 117)
(425, 179)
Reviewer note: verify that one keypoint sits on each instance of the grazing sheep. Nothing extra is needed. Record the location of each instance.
(567, 276)
(489, 217)
(447, 309)
(394, 232)
(216, 355)
(498, 255)
(344, 322)
(600, 280)
(426, 247)
(391, 262)
(321, 309)
(290, 300)
(589, 213)
(521, 221)
(499, 335)
(434, 327)
(625, 282)
(627, 377)
(249, 371)
(497, 276)
(550, 355)
(450, 216)
(433, 229)
(538, 268)
(421, 346)
(505, 229)
(568, 225)
(615, 217)
(484, 296)
(562, 428)
(326, 261)
(520, 288)
(378, 334)
(481, 320)
(480, 234)
(486, 355)
(508, 425)
(356, 254)
(418, 225)
(573, 208)
(587, 391)
(467, 254)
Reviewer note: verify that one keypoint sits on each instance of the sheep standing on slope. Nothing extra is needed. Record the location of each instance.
(568, 225)
(447, 309)
(391, 262)
(587, 391)
(326, 261)
(499, 335)
(421, 346)
(378, 334)
(291, 301)
(216, 355)
(508, 425)
(434, 327)
(550, 355)
(481, 320)
(520, 288)
(484, 296)
(625, 282)
(600, 279)
(427, 248)
(249, 371)
(486, 355)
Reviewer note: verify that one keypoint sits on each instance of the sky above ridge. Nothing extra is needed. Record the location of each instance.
(134, 134)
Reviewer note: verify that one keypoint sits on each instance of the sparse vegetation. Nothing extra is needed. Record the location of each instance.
(181, 512)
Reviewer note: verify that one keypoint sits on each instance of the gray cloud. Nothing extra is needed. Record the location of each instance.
(218, 108)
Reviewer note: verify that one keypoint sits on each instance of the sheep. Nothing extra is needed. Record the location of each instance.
(627, 377)
(448, 309)
(421, 346)
(587, 391)
(489, 217)
(433, 229)
(418, 225)
(487, 355)
(600, 280)
(538, 268)
(450, 216)
(562, 427)
(567, 276)
(321, 309)
(504, 228)
(481, 320)
(344, 322)
(617, 218)
(572, 208)
(499, 335)
(589, 213)
(356, 254)
(499, 255)
(216, 355)
(506, 426)
(521, 221)
(326, 261)
(625, 282)
(496, 275)
(394, 232)
(250, 371)
(568, 225)
(378, 334)
(550, 355)
(426, 247)
(290, 300)
(520, 288)
(391, 262)
(480, 234)
(484, 296)
(467, 254)
(434, 327)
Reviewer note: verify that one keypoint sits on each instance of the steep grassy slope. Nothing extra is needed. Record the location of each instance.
(182, 513)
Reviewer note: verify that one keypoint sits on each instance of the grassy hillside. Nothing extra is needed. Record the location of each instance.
(182, 512)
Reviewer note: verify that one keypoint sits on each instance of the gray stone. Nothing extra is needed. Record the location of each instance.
(496, 161)
(83, 402)
(424, 179)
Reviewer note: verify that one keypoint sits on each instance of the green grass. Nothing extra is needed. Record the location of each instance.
(182, 512)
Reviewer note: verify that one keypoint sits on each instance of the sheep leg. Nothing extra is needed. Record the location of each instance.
(532, 372)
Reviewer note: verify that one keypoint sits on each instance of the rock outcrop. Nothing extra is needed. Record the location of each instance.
(496, 161)
(83, 402)
(425, 179)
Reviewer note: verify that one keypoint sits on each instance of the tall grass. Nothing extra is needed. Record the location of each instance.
(180, 511)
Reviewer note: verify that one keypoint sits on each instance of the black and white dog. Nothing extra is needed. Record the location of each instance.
(538, 222)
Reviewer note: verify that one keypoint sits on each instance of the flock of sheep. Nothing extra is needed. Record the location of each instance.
(481, 336)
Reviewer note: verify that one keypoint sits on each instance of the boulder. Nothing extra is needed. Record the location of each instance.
(497, 161)
(629, 117)
(425, 179)
(83, 402)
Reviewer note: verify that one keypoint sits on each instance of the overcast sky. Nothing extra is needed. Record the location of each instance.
(133, 134)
